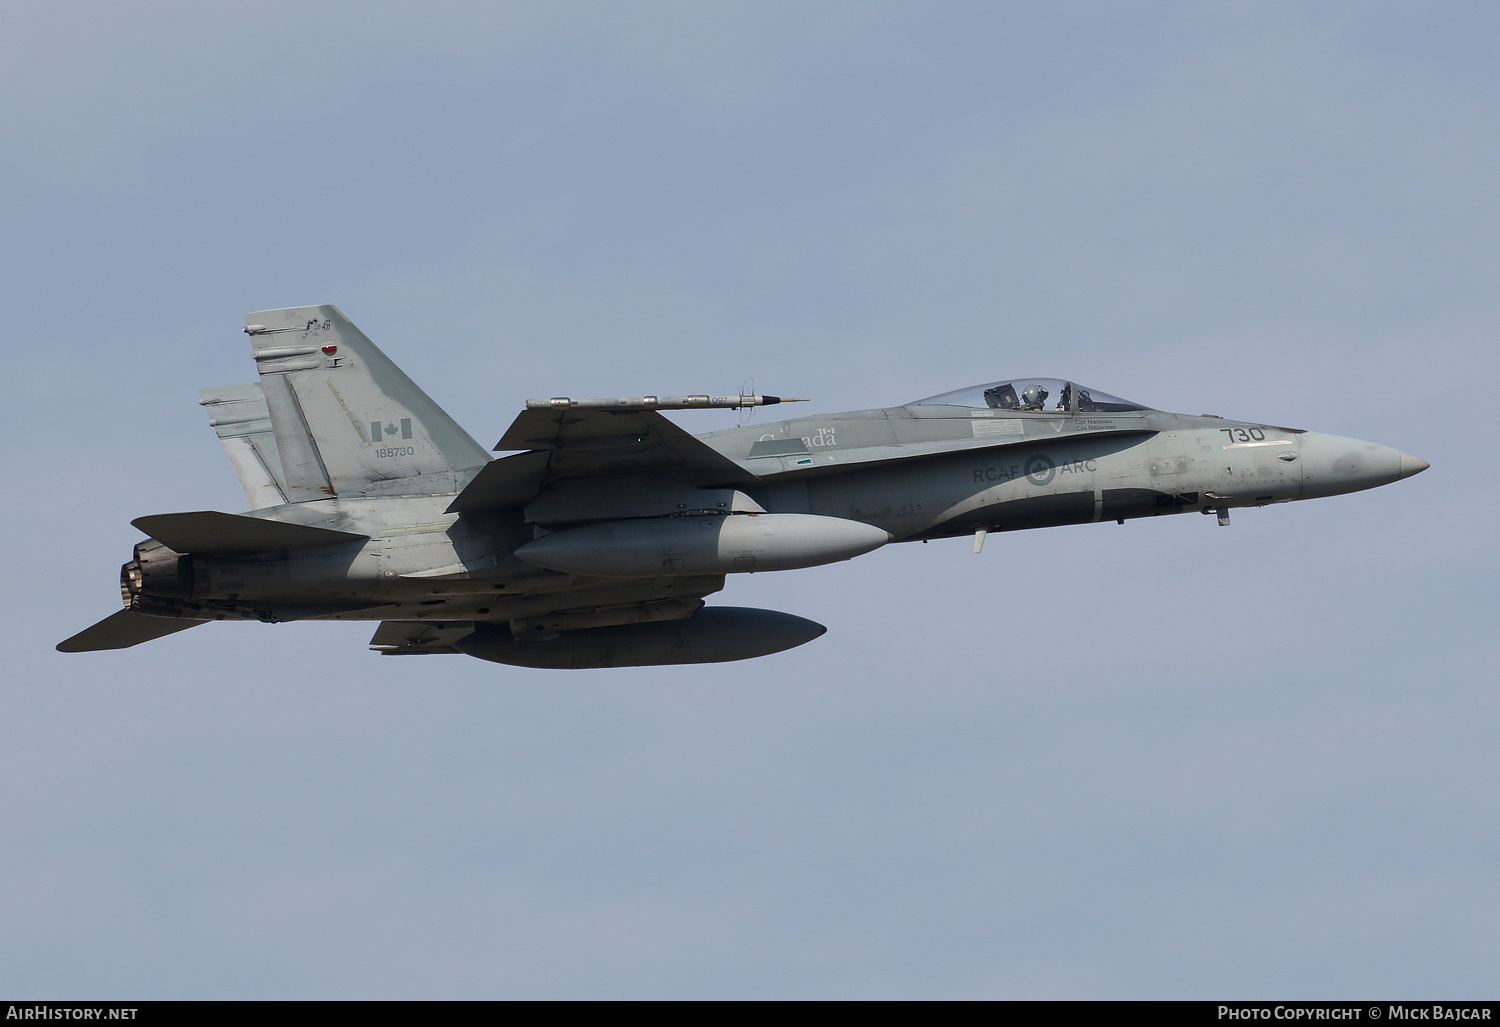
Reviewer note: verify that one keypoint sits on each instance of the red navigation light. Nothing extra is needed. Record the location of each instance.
(330, 350)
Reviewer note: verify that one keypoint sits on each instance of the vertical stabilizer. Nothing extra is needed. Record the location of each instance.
(238, 414)
(346, 420)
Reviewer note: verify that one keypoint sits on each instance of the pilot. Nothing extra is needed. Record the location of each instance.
(1033, 396)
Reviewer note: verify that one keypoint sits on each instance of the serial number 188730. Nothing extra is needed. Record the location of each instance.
(396, 451)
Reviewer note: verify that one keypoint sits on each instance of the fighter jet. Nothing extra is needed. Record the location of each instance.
(597, 541)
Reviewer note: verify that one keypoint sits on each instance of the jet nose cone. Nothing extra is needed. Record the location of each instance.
(1333, 465)
(1412, 465)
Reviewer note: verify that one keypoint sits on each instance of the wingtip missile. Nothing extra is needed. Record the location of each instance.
(696, 402)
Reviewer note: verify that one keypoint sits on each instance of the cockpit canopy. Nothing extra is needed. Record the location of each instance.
(1051, 394)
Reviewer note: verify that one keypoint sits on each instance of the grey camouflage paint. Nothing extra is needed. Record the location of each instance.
(403, 518)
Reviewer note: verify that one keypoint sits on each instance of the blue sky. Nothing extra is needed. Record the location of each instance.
(1158, 760)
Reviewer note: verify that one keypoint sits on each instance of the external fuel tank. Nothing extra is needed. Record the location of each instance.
(666, 546)
(715, 634)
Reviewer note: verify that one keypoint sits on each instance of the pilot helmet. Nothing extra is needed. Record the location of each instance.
(1034, 395)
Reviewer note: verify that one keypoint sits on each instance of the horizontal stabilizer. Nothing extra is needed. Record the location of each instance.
(208, 531)
(122, 630)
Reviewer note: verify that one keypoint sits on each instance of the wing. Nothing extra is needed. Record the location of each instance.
(412, 638)
(589, 443)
